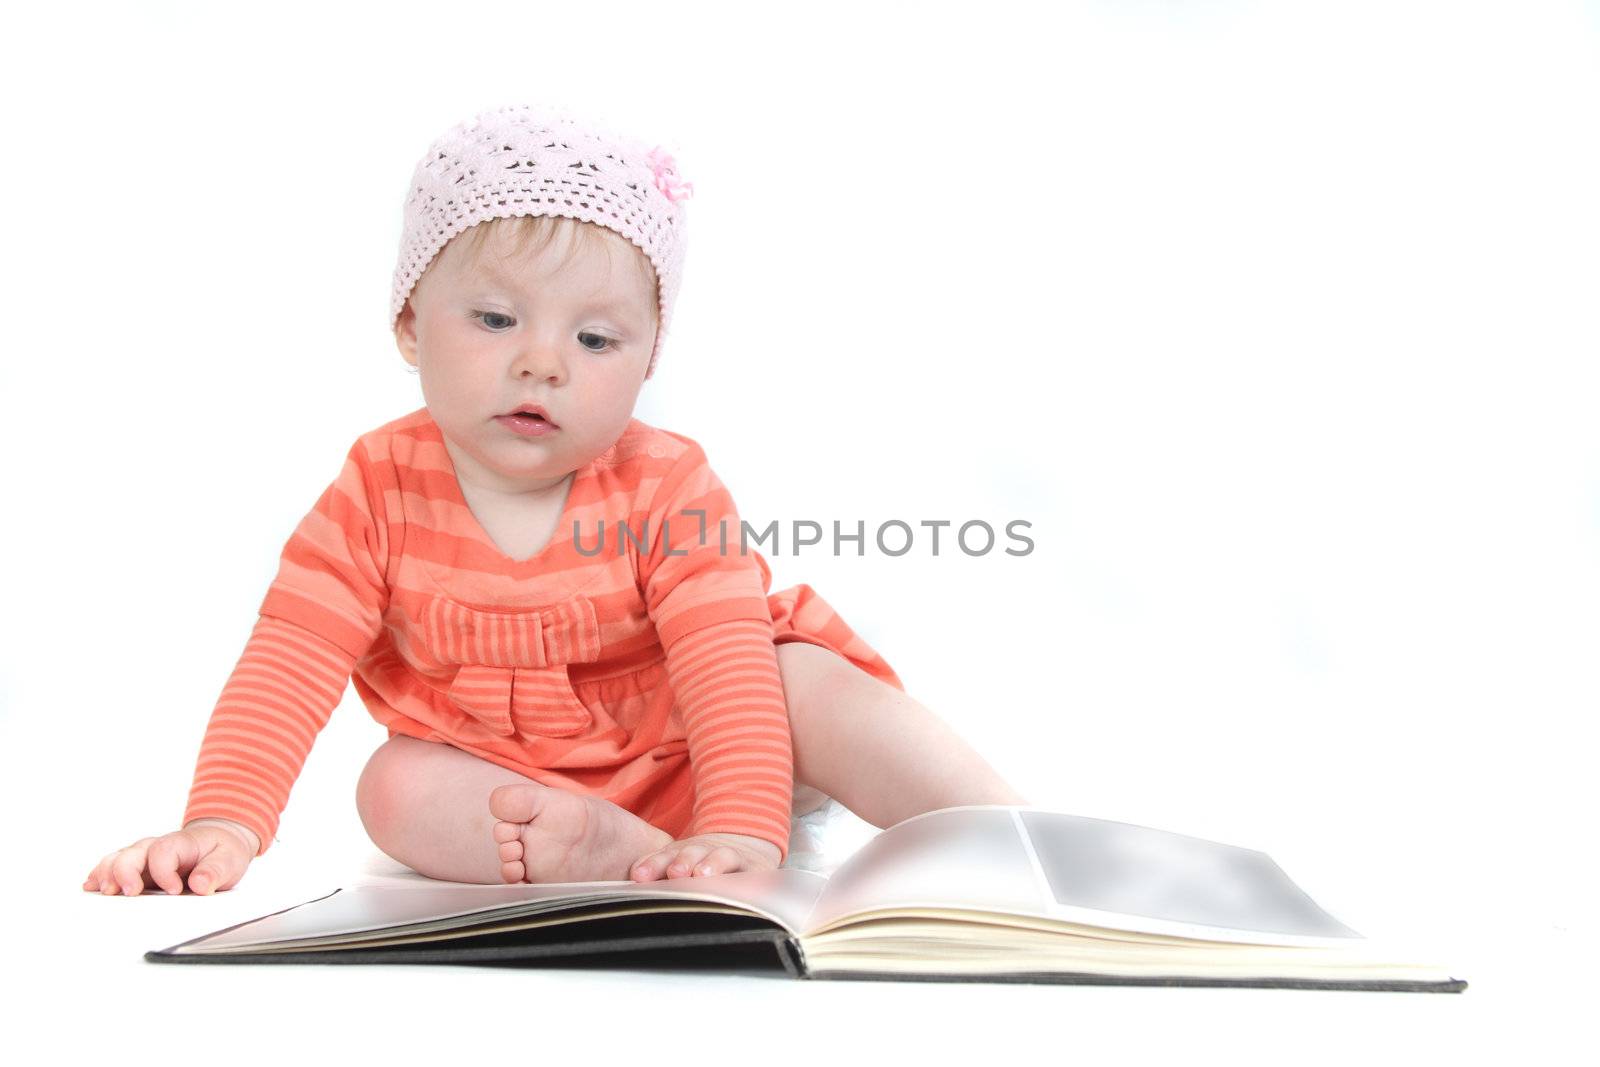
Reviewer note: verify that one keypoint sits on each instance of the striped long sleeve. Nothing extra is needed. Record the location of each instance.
(278, 698)
(319, 616)
(709, 607)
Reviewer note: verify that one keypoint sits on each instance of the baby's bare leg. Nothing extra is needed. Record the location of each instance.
(449, 815)
(873, 748)
(434, 808)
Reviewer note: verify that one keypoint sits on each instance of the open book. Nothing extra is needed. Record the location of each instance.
(970, 894)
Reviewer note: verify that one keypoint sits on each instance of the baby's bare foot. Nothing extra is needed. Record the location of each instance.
(547, 835)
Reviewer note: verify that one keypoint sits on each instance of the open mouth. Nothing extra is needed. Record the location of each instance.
(529, 422)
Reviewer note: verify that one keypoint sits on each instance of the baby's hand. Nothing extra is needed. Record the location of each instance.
(708, 854)
(213, 856)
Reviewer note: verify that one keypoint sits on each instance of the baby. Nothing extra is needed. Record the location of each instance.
(624, 701)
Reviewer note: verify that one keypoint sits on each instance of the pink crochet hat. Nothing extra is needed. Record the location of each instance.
(521, 160)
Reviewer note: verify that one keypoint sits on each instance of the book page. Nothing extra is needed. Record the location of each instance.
(1186, 886)
(1050, 865)
(968, 857)
(784, 896)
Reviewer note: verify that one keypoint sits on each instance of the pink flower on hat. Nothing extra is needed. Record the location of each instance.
(666, 172)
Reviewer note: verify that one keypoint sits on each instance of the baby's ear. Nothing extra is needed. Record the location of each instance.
(405, 333)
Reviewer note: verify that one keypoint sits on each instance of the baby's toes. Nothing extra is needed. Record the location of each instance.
(518, 802)
(508, 831)
(511, 866)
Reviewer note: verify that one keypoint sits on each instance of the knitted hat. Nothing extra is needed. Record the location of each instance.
(520, 160)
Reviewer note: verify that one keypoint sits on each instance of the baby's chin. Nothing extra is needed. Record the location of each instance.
(493, 456)
(553, 454)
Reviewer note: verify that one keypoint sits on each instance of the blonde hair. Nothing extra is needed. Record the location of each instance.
(536, 233)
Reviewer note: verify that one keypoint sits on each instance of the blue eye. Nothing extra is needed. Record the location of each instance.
(485, 316)
(606, 343)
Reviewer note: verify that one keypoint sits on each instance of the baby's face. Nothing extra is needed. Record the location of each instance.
(492, 330)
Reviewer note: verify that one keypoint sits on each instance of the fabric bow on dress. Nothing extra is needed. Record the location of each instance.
(513, 665)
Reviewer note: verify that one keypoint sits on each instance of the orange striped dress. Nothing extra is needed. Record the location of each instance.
(632, 658)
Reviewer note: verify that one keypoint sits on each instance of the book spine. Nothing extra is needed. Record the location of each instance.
(793, 957)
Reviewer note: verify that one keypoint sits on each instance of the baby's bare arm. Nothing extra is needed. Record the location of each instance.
(211, 853)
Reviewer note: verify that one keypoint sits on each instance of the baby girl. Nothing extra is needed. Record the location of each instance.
(547, 602)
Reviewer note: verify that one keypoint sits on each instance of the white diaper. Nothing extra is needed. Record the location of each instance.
(810, 844)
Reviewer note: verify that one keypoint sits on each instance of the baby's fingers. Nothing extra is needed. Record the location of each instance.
(688, 856)
(170, 858)
(649, 868)
(687, 859)
(665, 862)
(214, 869)
(721, 860)
(127, 869)
(101, 872)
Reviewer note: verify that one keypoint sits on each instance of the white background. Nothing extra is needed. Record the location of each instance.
(1275, 321)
